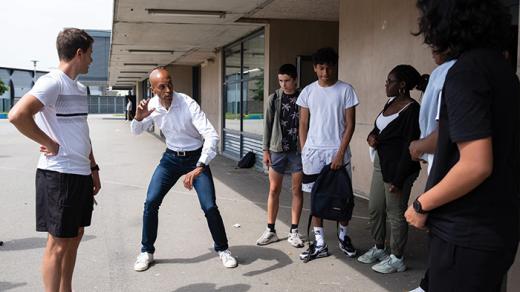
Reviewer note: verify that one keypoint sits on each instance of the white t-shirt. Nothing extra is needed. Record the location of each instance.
(64, 119)
(327, 113)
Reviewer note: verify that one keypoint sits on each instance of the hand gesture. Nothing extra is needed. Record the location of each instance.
(267, 159)
(96, 182)
(191, 176)
(415, 219)
(393, 189)
(415, 154)
(337, 162)
(372, 140)
(142, 110)
(50, 150)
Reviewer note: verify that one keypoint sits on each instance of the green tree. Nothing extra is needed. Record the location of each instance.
(3, 87)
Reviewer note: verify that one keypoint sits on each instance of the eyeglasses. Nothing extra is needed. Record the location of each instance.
(388, 81)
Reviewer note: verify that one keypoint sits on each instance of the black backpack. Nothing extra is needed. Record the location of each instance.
(247, 161)
(331, 198)
(332, 195)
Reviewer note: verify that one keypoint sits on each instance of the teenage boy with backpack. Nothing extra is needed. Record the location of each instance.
(325, 137)
(282, 154)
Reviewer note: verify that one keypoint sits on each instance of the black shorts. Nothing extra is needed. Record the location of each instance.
(461, 269)
(64, 202)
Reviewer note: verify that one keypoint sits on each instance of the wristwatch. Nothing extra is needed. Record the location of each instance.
(418, 207)
(201, 164)
(94, 168)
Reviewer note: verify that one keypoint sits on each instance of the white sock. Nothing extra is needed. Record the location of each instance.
(342, 232)
(318, 235)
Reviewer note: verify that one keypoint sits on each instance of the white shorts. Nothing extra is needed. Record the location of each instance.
(314, 159)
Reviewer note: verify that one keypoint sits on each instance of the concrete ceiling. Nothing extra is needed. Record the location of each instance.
(192, 39)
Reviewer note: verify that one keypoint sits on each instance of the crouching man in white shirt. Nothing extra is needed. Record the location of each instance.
(191, 144)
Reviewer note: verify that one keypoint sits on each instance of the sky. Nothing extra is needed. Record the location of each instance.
(30, 28)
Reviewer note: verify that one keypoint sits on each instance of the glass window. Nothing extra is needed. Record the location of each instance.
(232, 61)
(232, 111)
(254, 106)
(244, 95)
(254, 57)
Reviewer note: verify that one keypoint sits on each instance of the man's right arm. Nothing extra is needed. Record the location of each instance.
(21, 116)
(143, 119)
(304, 125)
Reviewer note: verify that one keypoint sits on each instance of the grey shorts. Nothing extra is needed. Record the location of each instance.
(286, 162)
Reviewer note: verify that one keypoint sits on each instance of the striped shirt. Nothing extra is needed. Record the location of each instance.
(64, 119)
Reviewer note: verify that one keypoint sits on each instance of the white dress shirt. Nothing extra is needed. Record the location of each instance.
(184, 125)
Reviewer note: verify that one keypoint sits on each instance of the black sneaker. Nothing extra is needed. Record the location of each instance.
(314, 252)
(347, 247)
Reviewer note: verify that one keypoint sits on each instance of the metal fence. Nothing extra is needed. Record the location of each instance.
(106, 104)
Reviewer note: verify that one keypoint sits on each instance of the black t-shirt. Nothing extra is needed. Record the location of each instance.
(289, 121)
(481, 98)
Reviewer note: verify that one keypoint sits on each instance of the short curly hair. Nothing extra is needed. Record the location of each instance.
(325, 56)
(460, 25)
(69, 40)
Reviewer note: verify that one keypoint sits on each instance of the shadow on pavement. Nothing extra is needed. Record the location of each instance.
(8, 285)
(246, 255)
(253, 186)
(209, 287)
(30, 243)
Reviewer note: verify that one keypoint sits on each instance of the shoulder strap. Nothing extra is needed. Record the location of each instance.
(273, 105)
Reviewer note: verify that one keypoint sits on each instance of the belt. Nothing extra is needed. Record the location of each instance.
(184, 153)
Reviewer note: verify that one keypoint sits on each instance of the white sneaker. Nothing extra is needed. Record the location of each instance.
(267, 237)
(373, 255)
(143, 261)
(418, 289)
(390, 265)
(295, 238)
(227, 259)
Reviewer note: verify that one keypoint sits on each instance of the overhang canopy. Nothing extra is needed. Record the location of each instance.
(149, 33)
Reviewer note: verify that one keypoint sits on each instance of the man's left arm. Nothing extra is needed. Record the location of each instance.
(209, 148)
(95, 172)
(464, 176)
(350, 125)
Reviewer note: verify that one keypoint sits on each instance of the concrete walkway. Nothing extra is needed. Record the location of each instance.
(185, 261)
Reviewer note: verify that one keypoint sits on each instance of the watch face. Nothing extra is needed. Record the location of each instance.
(417, 206)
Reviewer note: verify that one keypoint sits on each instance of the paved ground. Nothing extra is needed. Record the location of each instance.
(185, 261)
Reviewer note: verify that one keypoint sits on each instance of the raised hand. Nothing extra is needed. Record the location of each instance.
(142, 110)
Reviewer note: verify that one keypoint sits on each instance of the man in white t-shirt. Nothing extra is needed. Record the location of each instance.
(325, 137)
(67, 177)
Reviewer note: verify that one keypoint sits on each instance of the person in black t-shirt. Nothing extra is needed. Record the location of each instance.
(471, 201)
(282, 154)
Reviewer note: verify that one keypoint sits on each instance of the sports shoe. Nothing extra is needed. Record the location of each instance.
(314, 252)
(143, 261)
(347, 247)
(390, 265)
(373, 255)
(418, 289)
(295, 238)
(267, 237)
(227, 259)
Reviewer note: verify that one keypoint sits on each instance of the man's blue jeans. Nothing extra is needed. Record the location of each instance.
(169, 170)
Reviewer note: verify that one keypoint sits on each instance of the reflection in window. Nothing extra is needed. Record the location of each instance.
(254, 57)
(254, 106)
(245, 106)
(232, 112)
